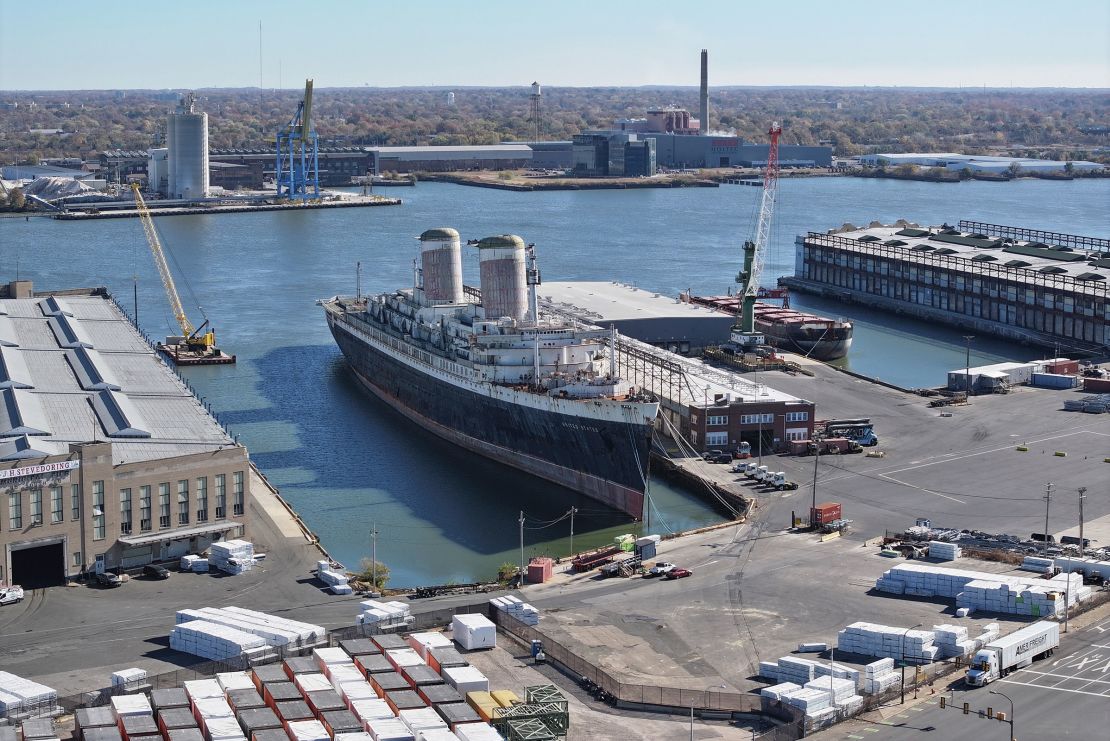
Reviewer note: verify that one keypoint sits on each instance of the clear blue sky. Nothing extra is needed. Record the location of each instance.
(123, 44)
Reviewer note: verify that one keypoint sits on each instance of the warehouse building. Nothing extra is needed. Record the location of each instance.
(1047, 288)
(107, 460)
(976, 162)
(450, 158)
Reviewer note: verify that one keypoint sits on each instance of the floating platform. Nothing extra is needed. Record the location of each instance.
(182, 355)
(114, 211)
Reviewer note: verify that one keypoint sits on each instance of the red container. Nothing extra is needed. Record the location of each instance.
(540, 569)
(1097, 385)
(825, 513)
(1063, 367)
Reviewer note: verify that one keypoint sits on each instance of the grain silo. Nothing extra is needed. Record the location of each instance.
(441, 262)
(187, 141)
(157, 170)
(501, 266)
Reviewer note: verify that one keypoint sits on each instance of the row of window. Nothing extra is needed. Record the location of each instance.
(56, 496)
(753, 419)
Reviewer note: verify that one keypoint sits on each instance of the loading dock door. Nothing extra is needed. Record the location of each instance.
(38, 567)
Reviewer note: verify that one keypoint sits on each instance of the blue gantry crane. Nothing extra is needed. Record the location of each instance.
(297, 170)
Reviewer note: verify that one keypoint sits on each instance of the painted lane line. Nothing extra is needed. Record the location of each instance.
(1067, 676)
(1053, 689)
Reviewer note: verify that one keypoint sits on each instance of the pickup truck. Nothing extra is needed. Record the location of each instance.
(1015, 651)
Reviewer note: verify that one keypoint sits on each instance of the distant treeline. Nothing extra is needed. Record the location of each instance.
(1058, 124)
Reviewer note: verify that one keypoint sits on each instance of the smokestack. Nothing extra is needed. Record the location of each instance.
(703, 111)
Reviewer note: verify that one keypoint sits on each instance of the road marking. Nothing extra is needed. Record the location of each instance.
(1054, 689)
(920, 488)
(992, 450)
(1067, 676)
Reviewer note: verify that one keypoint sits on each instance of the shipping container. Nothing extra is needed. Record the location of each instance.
(1067, 367)
(1054, 381)
(1097, 385)
(825, 513)
(540, 569)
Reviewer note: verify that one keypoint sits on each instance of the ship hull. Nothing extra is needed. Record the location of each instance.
(816, 343)
(605, 460)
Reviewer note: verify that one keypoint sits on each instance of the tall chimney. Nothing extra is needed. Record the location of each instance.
(703, 111)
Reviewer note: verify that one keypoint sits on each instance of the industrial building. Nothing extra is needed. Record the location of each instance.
(613, 155)
(662, 321)
(976, 162)
(709, 407)
(187, 157)
(449, 158)
(106, 458)
(1047, 288)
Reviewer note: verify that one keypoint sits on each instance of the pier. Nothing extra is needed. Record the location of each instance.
(237, 208)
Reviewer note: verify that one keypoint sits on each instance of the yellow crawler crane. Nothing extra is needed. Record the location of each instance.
(192, 347)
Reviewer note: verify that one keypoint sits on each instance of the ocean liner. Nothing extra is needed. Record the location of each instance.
(484, 369)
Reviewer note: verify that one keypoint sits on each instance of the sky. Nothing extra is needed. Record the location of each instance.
(123, 44)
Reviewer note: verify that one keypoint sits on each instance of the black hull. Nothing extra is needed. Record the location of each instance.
(818, 344)
(604, 460)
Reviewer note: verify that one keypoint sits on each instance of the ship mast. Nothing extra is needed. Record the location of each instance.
(755, 250)
(533, 277)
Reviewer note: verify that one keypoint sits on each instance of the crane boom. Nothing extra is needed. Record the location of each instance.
(187, 329)
(755, 250)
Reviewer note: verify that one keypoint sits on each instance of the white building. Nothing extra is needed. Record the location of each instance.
(973, 162)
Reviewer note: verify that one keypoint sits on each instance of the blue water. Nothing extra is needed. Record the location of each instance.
(345, 461)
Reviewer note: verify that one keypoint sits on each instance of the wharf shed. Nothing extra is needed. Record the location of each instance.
(106, 457)
(1045, 288)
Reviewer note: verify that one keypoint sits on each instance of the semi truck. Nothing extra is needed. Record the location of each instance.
(1015, 651)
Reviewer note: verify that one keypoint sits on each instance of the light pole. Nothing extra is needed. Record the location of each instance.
(1082, 496)
(1047, 503)
(573, 510)
(967, 369)
(1013, 735)
(904, 634)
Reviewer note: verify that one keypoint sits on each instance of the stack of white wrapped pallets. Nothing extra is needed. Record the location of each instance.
(213, 641)
(816, 704)
(127, 680)
(1087, 566)
(1036, 563)
(194, 563)
(378, 615)
(519, 609)
(473, 631)
(842, 693)
(953, 640)
(879, 676)
(995, 596)
(870, 639)
(822, 669)
(977, 590)
(943, 551)
(789, 669)
(232, 556)
(775, 692)
(275, 631)
(336, 580)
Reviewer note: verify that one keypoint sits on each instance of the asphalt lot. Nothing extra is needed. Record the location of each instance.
(1066, 696)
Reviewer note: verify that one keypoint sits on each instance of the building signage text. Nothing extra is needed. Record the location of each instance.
(39, 470)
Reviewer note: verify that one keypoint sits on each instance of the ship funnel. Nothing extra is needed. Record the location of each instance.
(501, 265)
(441, 261)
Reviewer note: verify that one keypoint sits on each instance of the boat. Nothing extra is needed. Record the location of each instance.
(788, 329)
(482, 368)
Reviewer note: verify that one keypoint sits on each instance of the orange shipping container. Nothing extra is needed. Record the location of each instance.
(505, 698)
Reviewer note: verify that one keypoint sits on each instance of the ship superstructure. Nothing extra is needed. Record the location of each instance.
(485, 369)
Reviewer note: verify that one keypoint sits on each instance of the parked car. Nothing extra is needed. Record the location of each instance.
(709, 455)
(661, 569)
(677, 574)
(108, 579)
(11, 595)
(721, 458)
(154, 571)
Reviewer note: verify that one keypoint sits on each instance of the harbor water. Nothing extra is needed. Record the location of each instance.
(346, 461)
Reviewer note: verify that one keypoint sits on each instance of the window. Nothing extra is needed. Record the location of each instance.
(716, 419)
(55, 504)
(125, 511)
(796, 434)
(237, 492)
(98, 510)
(75, 501)
(15, 511)
(144, 508)
(36, 506)
(164, 505)
(716, 438)
(797, 416)
(77, 558)
(221, 496)
(183, 502)
(755, 419)
(202, 499)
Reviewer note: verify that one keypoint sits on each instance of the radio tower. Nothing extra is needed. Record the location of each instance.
(535, 114)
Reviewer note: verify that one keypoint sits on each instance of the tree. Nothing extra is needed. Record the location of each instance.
(1069, 167)
(16, 199)
(376, 577)
(1015, 170)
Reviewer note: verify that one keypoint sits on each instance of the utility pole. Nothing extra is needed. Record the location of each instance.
(573, 510)
(135, 297)
(520, 578)
(374, 554)
(1082, 496)
(816, 457)
(967, 369)
(1047, 503)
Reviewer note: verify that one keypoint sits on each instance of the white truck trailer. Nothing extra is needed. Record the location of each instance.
(1015, 651)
